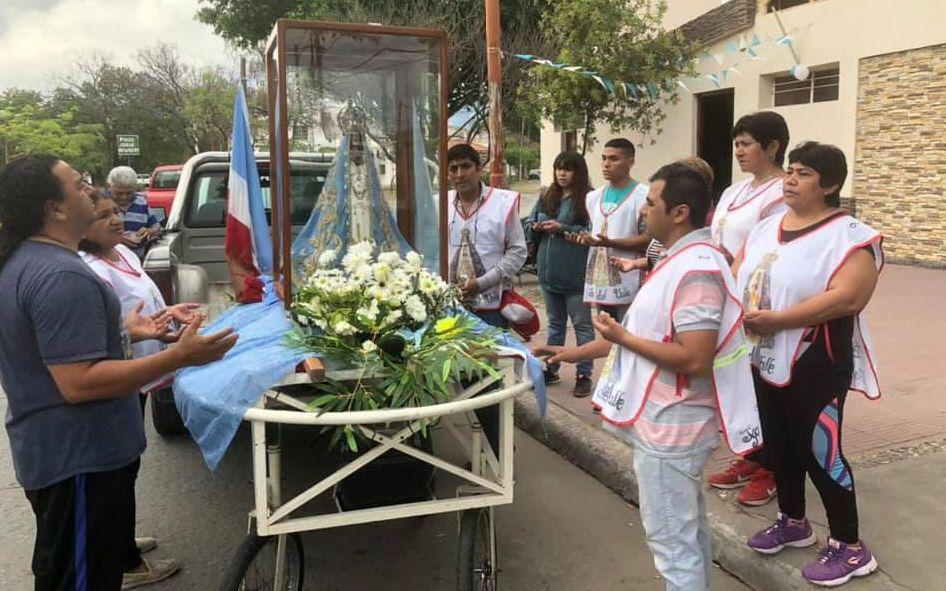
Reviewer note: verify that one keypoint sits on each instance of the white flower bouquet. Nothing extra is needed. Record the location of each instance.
(397, 320)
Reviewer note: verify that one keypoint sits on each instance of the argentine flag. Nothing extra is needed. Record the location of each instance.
(247, 238)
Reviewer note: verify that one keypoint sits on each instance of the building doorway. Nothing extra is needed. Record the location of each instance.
(714, 121)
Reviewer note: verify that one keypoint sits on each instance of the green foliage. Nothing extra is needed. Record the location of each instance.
(623, 41)
(27, 124)
(527, 156)
(420, 374)
(247, 24)
(175, 110)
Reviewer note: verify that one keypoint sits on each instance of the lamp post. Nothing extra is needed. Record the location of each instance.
(494, 88)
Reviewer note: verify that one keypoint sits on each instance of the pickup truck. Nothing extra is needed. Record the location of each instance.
(162, 186)
(188, 263)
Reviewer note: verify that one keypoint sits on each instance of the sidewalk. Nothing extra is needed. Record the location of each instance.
(897, 446)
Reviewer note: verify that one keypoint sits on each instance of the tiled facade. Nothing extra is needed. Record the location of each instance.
(900, 171)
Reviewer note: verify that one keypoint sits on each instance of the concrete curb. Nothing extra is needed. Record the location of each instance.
(610, 461)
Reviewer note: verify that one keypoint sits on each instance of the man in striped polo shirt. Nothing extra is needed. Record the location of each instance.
(676, 373)
(141, 227)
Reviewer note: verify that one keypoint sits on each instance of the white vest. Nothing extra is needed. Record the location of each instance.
(776, 276)
(604, 284)
(741, 208)
(627, 378)
(483, 245)
(132, 285)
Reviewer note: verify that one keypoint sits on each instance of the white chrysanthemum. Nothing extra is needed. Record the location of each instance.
(415, 308)
(392, 259)
(414, 260)
(327, 258)
(392, 317)
(428, 284)
(368, 347)
(363, 248)
(370, 312)
(343, 328)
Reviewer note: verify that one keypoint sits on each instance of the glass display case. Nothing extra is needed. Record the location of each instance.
(374, 99)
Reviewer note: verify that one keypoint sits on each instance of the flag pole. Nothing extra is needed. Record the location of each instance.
(494, 87)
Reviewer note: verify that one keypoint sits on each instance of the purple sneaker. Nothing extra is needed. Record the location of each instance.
(838, 562)
(784, 532)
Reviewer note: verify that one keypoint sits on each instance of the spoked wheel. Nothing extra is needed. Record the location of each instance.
(476, 552)
(253, 567)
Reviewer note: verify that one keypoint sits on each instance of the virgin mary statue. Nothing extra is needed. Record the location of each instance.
(350, 209)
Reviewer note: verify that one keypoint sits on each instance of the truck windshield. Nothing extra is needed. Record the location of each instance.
(208, 204)
(167, 179)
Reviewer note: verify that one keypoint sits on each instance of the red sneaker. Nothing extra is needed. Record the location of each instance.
(736, 475)
(761, 489)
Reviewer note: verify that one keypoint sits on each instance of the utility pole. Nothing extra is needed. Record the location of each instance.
(494, 86)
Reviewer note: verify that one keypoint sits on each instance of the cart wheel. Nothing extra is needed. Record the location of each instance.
(476, 566)
(253, 567)
(167, 421)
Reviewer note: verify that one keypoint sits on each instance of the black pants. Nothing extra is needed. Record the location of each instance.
(85, 531)
(801, 425)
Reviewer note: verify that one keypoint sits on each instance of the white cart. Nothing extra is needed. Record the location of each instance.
(272, 557)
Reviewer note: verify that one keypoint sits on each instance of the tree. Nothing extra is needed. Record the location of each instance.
(28, 124)
(623, 41)
(247, 23)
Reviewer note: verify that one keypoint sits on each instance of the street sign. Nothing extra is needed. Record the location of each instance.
(128, 145)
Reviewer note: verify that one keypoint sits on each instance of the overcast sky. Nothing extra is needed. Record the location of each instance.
(40, 39)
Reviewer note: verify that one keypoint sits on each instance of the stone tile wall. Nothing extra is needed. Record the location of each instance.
(900, 159)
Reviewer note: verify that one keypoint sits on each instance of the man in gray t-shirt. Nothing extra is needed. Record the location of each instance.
(73, 417)
(61, 313)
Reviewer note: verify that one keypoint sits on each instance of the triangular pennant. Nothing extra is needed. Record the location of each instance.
(742, 43)
(523, 56)
(719, 58)
(683, 86)
(714, 79)
(573, 68)
(600, 81)
(731, 47)
(630, 89)
(735, 70)
(653, 91)
(756, 41)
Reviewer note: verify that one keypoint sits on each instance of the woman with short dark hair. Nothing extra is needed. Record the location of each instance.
(561, 265)
(805, 276)
(759, 144)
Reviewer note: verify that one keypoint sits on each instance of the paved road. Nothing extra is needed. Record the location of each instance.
(564, 532)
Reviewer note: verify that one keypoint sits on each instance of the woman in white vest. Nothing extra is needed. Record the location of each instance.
(103, 250)
(677, 373)
(805, 276)
(760, 141)
(614, 211)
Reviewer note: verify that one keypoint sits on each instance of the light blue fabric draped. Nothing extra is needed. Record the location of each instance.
(426, 201)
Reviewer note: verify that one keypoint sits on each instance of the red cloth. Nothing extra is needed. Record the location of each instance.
(521, 314)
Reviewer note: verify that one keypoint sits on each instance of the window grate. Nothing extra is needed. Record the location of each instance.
(821, 86)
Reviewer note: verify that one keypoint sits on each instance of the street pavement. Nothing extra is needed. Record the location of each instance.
(565, 531)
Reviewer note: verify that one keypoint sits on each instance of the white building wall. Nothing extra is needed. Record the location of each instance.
(833, 31)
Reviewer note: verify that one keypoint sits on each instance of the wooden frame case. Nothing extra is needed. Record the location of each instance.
(277, 82)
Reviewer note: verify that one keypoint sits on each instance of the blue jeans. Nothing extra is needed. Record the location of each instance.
(559, 307)
(673, 513)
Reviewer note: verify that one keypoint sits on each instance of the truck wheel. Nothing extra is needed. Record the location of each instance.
(167, 421)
